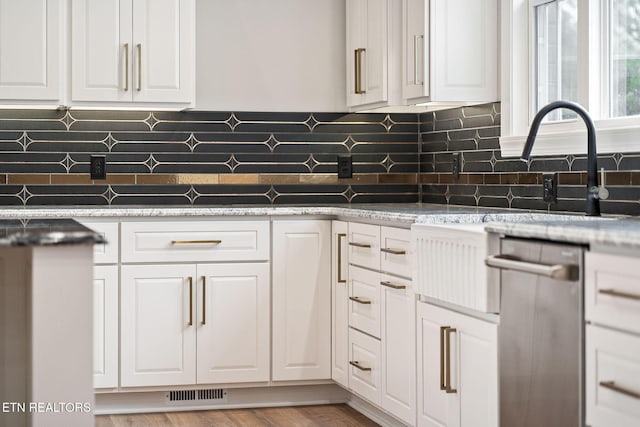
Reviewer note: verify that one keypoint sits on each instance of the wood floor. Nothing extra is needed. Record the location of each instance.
(307, 416)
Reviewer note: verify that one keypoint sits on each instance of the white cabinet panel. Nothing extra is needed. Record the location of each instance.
(233, 323)
(472, 365)
(339, 304)
(105, 326)
(31, 46)
(396, 255)
(301, 300)
(612, 378)
(398, 385)
(157, 328)
(365, 366)
(104, 253)
(364, 301)
(364, 245)
(415, 49)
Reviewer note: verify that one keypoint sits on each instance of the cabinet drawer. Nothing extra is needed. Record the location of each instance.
(104, 253)
(195, 241)
(364, 300)
(395, 251)
(364, 366)
(612, 378)
(364, 245)
(612, 290)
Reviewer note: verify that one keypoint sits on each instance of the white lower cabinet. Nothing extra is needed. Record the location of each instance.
(301, 307)
(365, 365)
(105, 326)
(457, 369)
(188, 324)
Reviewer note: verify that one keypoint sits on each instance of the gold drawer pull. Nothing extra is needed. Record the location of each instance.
(358, 365)
(443, 385)
(360, 245)
(340, 237)
(190, 301)
(392, 285)
(611, 385)
(360, 301)
(619, 294)
(393, 251)
(190, 242)
(447, 351)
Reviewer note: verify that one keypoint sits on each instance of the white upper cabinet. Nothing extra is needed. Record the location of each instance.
(367, 40)
(139, 51)
(31, 50)
(450, 50)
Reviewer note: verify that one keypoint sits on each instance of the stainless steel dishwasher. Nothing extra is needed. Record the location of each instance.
(541, 333)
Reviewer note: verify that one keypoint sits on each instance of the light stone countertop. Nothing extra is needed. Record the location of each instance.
(565, 227)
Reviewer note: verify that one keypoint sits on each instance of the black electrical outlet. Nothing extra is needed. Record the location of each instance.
(455, 165)
(345, 167)
(550, 188)
(98, 168)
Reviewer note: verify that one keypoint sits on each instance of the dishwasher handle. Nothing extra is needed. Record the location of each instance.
(568, 272)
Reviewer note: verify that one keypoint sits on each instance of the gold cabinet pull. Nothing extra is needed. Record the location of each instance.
(360, 300)
(619, 294)
(358, 70)
(358, 365)
(126, 67)
(393, 251)
(204, 300)
(190, 301)
(416, 55)
(196, 242)
(360, 245)
(139, 47)
(340, 237)
(611, 385)
(392, 285)
(447, 349)
(443, 385)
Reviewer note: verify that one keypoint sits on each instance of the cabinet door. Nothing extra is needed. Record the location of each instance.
(105, 326)
(415, 49)
(31, 49)
(398, 338)
(472, 365)
(339, 304)
(163, 56)
(301, 300)
(233, 323)
(464, 58)
(367, 32)
(158, 332)
(101, 47)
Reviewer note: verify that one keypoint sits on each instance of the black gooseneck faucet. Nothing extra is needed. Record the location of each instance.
(594, 193)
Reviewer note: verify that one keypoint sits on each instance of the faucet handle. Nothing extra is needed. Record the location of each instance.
(602, 192)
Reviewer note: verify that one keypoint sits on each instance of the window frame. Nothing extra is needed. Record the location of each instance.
(614, 135)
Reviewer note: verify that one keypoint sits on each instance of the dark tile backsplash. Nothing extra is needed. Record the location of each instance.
(487, 179)
(206, 157)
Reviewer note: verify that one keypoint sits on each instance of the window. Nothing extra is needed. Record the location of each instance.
(587, 51)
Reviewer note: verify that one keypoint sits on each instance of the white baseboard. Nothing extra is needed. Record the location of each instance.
(258, 397)
(373, 413)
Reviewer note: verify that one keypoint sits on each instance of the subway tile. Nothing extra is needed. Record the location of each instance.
(478, 110)
(462, 200)
(440, 125)
(239, 178)
(479, 121)
(493, 202)
(397, 179)
(13, 179)
(463, 145)
(279, 179)
(449, 114)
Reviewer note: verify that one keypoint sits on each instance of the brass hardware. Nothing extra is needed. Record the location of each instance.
(415, 59)
(360, 301)
(204, 300)
(619, 294)
(447, 373)
(358, 70)
(190, 301)
(359, 245)
(611, 385)
(189, 242)
(358, 365)
(443, 386)
(126, 67)
(340, 279)
(393, 251)
(139, 47)
(392, 285)
(556, 271)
